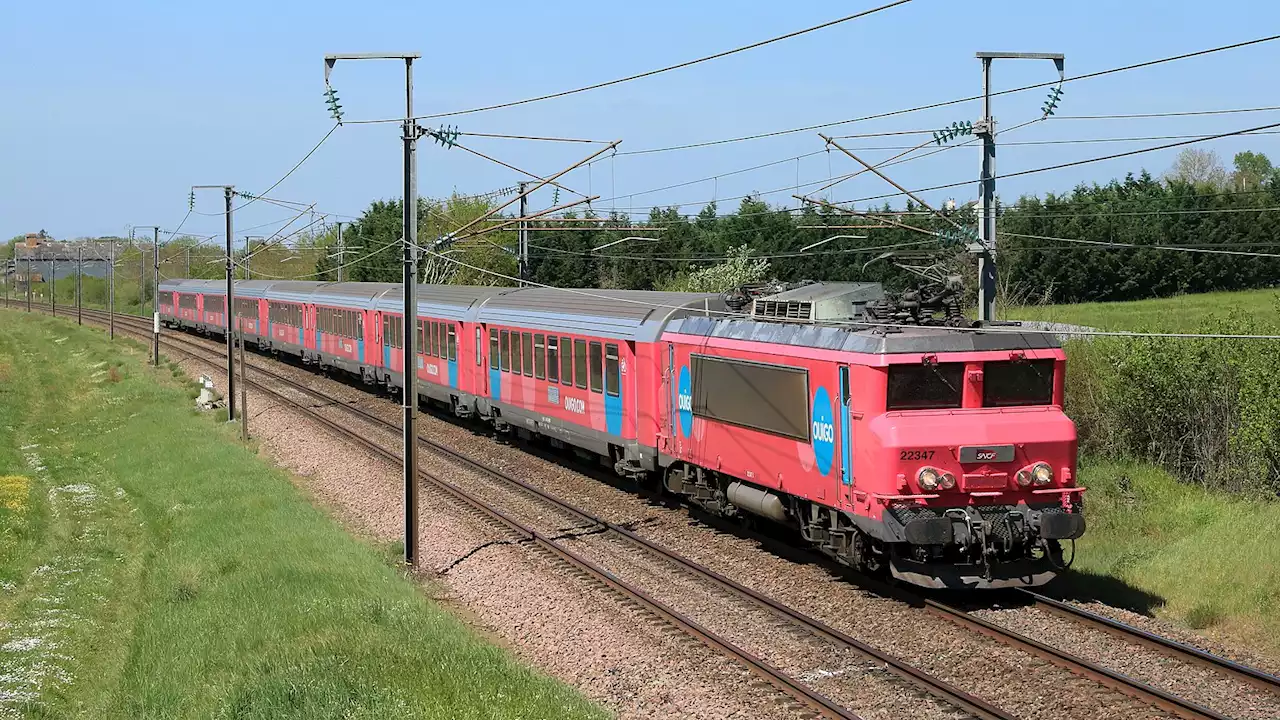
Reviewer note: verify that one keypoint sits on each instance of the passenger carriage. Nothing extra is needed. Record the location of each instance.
(580, 367)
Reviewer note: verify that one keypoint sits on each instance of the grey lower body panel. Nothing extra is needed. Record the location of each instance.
(596, 441)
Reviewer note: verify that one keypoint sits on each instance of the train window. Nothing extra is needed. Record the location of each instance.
(770, 398)
(539, 357)
(359, 316)
(438, 342)
(526, 345)
(553, 359)
(566, 361)
(925, 386)
(580, 362)
(189, 302)
(479, 345)
(506, 351)
(1025, 382)
(421, 337)
(612, 378)
(212, 304)
(597, 368)
(515, 353)
(451, 351)
(845, 393)
(493, 349)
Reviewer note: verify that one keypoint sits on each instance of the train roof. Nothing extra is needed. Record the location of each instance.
(636, 315)
(864, 338)
(449, 302)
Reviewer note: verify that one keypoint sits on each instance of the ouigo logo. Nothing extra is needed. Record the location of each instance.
(822, 431)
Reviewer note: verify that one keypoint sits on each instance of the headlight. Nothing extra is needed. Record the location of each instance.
(1042, 474)
(1024, 478)
(929, 478)
(947, 481)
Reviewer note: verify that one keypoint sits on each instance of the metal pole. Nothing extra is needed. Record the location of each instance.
(987, 225)
(28, 279)
(53, 291)
(79, 285)
(187, 274)
(155, 298)
(111, 293)
(342, 255)
(523, 243)
(244, 399)
(410, 316)
(230, 313)
(142, 279)
(246, 256)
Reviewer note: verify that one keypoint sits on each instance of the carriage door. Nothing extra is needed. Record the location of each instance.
(846, 433)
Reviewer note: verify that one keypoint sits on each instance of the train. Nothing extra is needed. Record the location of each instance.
(898, 441)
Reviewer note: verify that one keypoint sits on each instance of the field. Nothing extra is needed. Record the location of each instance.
(1183, 313)
(1204, 556)
(153, 567)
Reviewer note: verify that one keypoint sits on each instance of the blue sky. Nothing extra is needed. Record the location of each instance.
(113, 110)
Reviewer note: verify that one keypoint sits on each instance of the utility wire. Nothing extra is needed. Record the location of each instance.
(994, 330)
(1132, 246)
(1074, 163)
(292, 169)
(648, 73)
(1165, 114)
(946, 103)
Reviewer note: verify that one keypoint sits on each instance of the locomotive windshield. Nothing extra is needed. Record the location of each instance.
(925, 387)
(1025, 382)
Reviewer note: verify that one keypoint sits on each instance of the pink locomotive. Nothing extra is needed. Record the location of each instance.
(893, 441)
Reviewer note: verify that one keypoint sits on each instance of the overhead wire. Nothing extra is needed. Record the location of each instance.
(957, 101)
(1075, 163)
(649, 73)
(997, 329)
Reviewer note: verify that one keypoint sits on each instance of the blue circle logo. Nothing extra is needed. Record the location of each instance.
(684, 399)
(823, 431)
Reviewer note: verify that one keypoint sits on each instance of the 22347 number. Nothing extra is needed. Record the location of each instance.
(916, 455)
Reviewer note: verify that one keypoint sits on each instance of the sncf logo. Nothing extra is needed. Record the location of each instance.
(985, 455)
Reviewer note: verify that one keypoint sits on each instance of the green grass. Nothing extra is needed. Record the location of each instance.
(1183, 313)
(1207, 560)
(152, 567)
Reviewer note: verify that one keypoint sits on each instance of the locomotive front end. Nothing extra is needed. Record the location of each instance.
(977, 462)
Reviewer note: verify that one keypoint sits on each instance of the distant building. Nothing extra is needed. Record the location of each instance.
(57, 260)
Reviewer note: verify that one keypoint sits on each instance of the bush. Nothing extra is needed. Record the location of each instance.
(1204, 409)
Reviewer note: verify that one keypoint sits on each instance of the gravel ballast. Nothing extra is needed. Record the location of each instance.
(1008, 678)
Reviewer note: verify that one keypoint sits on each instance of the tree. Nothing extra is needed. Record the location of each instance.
(738, 269)
(1198, 167)
(1252, 170)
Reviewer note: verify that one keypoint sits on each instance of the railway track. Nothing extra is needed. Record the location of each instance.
(789, 685)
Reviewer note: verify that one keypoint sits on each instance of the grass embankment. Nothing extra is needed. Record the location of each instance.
(1203, 542)
(152, 567)
(1205, 559)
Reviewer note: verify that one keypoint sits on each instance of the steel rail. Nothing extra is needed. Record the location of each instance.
(774, 676)
(930, 684)
(1111, 679)
(934, 686)
(1179, 650)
